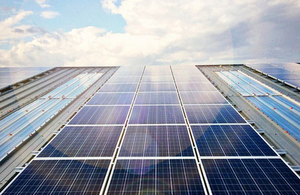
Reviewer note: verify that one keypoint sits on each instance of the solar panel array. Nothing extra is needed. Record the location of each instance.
(287, 73)
(11, 75)
(173, 134)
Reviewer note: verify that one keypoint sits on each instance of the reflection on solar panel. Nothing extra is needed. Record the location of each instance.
(199, 97)
(156, 115)
(156, 177)
(190, 78)
(61, 177)
(101, 115)
(120, 80)
(250, 176)
(156, 141)
(157, 98)
(212, 114)
(230, 140)
(83, 141)
(196, 87)
(111, 99)
(163, 78)
(157, 87)
(118, 88)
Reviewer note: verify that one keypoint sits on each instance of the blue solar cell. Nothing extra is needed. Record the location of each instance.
(286, 76)
(250, 176)
(157, 98)
(157, 87)
(230, 140)
(101, 115)
(84, 141)
(156, 141)
(203, 86)
(199, 97)
(111, 99)
(162, 78)
(118, 87)
(212, 114)
(156, 177)
(156, 115)
(124, 79)
(60, 177)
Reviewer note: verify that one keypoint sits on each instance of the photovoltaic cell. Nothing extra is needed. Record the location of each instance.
(124, 79)
(212, 114)
(162, 78)
(84, 142)
(101, 115)
(111, 99)
(156, 115)
(156, 141)
(250, 176)
(203, 86)
(190, 78)
(156, 177)
(157, 98)
(200, 97)
(230, 140)
(157, 87)
(118, 88)
(60, 177)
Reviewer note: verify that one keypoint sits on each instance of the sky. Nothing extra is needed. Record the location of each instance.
(140, 32)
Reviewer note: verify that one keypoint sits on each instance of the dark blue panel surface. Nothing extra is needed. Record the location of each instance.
(156, 141)
(111, 99)
(101, 115)
(84, 141)
(118, 87)
(156, 177)
(157, 87)
(204, 86)
(250, 176)
(200, 97)
(157, 98)
(60, 177)
(156, 115)
(212, 114)
(230, 140)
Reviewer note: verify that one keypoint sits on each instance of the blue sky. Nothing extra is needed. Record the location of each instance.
(131, 32)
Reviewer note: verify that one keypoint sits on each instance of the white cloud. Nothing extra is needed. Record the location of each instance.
(49, 14)
(10, 29)
(173, 32)
(42, 3)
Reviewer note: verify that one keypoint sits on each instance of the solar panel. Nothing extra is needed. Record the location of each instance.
(156, 177)
(84, 141)
(157, 98)
(60, 177)
(230, 140)
(156, 141)
(157, 87)
(156, 115)
(199, 97)
(203, 86)
(101, 115)
(250, 176)
(111, 99)
(162, 78)
(123, 79)
(212, 114)
(118, 87)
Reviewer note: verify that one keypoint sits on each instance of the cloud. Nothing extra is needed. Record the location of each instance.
(173, 32)
(49, 14)
(42, 3)
(10, 29)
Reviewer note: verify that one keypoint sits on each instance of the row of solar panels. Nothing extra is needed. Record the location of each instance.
(285, 72)
(23, 123)
(9, 76)
(156, 153)
(285, 112)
